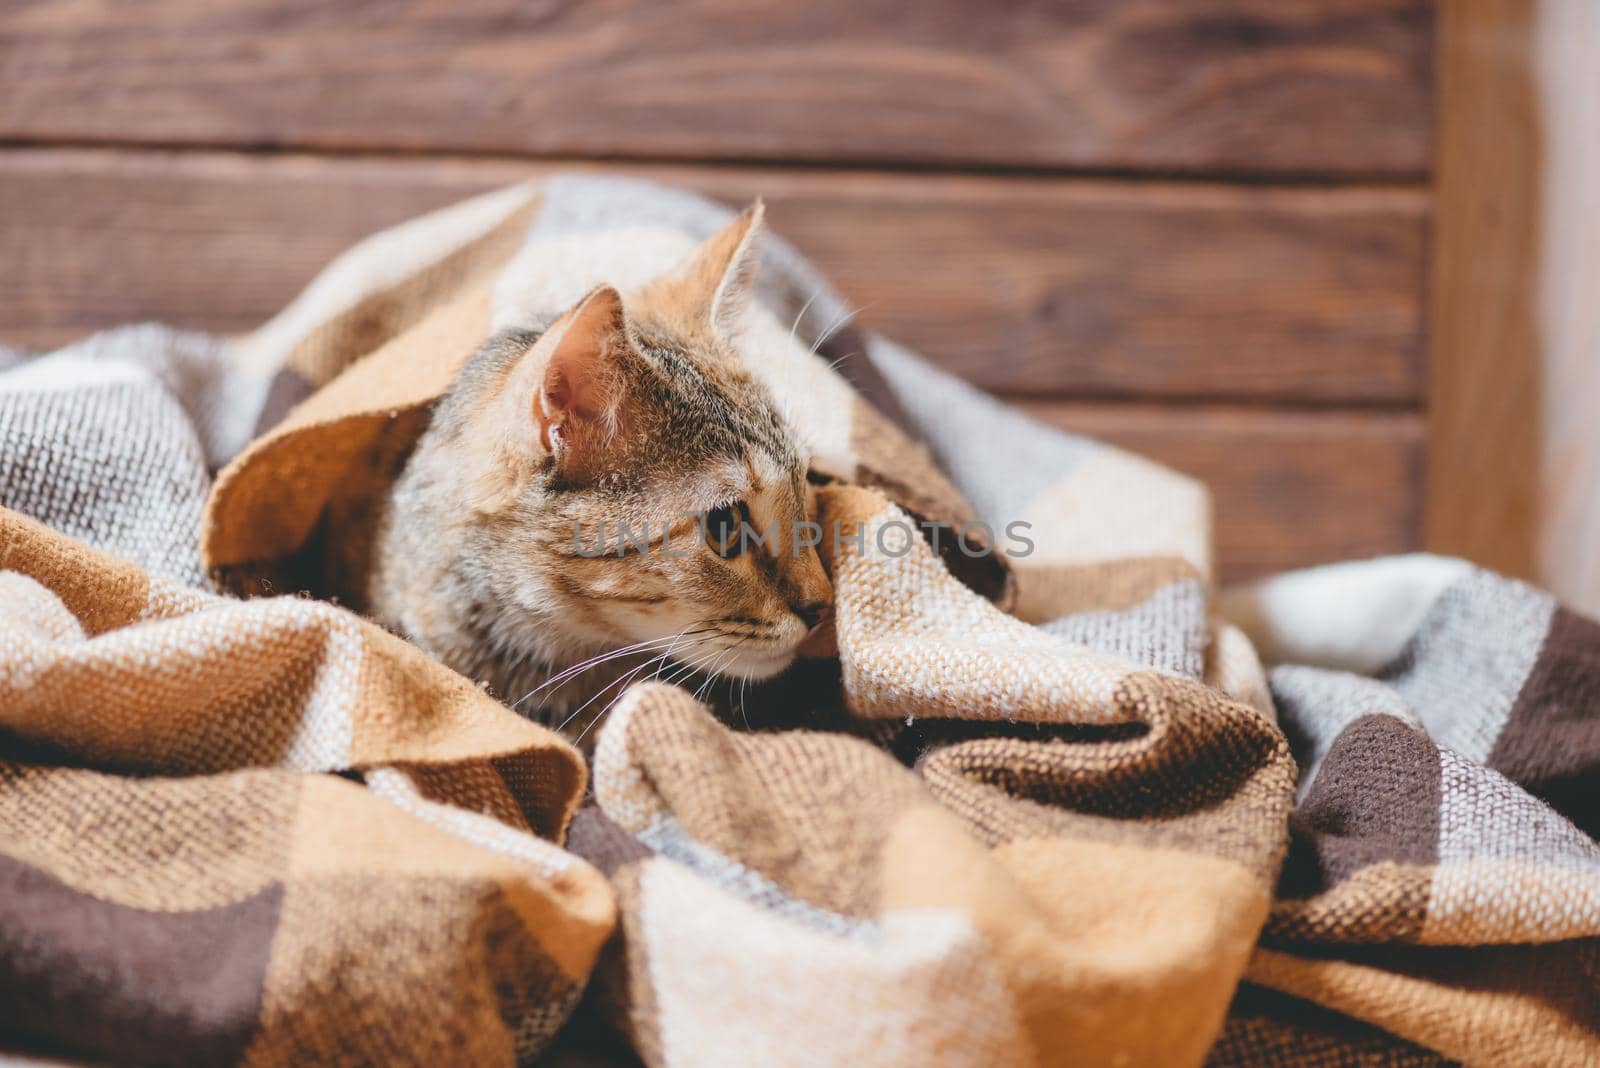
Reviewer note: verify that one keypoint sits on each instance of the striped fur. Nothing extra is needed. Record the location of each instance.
(486, 555)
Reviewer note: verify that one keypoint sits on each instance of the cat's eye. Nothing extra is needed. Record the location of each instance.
(725, 529)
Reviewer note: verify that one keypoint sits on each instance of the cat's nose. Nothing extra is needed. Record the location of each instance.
(810, 612)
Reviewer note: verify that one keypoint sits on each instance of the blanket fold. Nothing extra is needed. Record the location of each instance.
(1005, 901)
(185, 876)
(1057, 805)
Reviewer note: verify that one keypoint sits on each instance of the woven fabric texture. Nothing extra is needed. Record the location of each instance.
(1070, 805)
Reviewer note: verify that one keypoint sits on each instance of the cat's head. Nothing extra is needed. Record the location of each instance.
(633, 415)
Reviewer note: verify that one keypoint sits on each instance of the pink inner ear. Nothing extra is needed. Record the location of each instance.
(549, 405)
(581, 381)
(557, 393)
(577, 382)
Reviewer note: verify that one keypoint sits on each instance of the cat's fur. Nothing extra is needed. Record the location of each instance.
(628, 408)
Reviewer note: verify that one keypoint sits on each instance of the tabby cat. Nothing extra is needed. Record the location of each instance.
(626, 409)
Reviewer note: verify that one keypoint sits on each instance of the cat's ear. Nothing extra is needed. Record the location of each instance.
(710, 290)
(564, 398)
(582, 385)
(731, 256)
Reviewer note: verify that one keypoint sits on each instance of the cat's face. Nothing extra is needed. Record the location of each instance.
(627, 481)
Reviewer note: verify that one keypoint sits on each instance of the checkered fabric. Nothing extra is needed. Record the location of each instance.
(1045, 808)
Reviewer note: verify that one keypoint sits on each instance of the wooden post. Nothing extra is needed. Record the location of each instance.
(1513, 438)
(1567, 56)
(1483, 444)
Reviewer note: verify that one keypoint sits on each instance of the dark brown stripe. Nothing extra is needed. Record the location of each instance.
(1551, 741)
(627, 598)
(543, 786)
(1266, 1028)
(96, 979)
(601, 841)
(1376, 798)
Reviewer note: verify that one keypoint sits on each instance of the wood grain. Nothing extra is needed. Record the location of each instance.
(1289, 489)
(1040, 286)
(1247, 86)
(1484, 415)
(1568, 36)
(1514, 478)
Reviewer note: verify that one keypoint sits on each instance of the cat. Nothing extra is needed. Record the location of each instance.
(627, 408)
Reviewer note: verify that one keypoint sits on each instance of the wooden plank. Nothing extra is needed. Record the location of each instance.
(1289, 489)
(1569, 536)
(1483, 472)
(1514, 481)
(1262, 86)
(1119, 289)
(1048, 286)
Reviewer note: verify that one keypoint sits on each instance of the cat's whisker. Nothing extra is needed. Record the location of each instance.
(675, 672)
(836, 324)
(839, 324)
(629, 677)
(606, 657)
(575, 713)
(636, 647)
(693, 665)
(624, 679)
(666, 658)
(714, 673)
(802, 314)
(602, 713)
(598, 717)
(678, 670)
(679, 673)
(712, 629)
(567, 673)
(667, 666)
(711, 681)
(709, 667)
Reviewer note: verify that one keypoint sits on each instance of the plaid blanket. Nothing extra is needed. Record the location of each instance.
(1039, 810)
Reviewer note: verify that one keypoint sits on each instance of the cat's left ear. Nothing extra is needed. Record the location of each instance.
(711, 290)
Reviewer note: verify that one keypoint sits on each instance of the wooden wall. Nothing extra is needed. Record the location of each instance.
(1514, 426)
(1195, 227)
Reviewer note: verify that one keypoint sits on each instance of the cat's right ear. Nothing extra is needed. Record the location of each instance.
(578, 402)
(564, 400)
